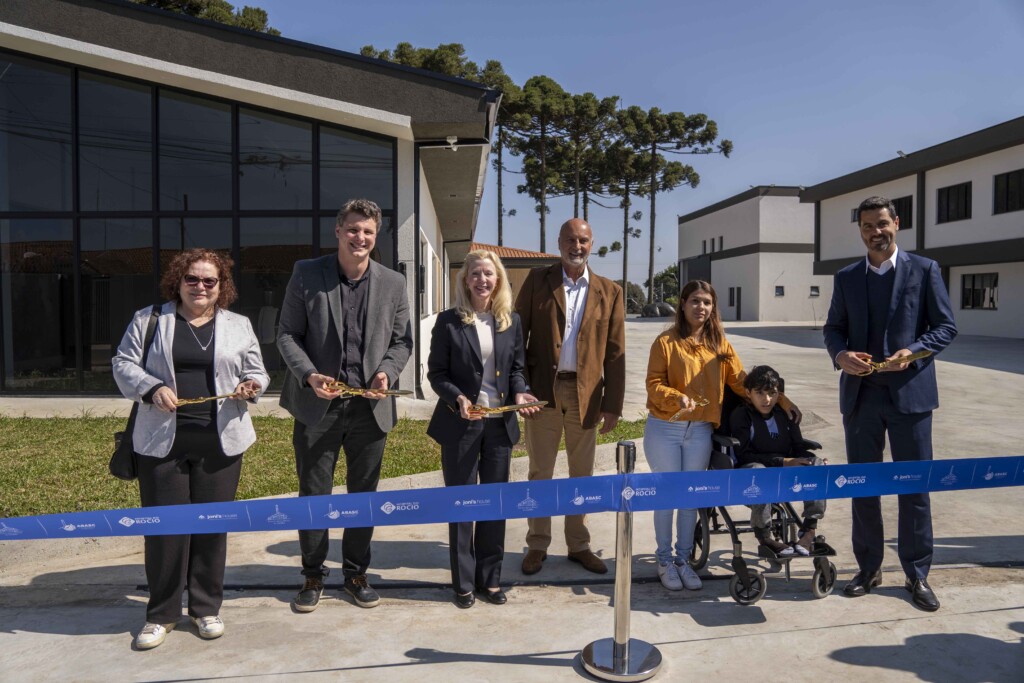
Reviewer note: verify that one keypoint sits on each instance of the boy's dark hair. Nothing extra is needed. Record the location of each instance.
(763, 378)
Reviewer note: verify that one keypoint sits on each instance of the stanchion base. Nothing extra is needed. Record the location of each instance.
(644, 660)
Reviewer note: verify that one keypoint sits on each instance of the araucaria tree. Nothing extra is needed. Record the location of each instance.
(656, 132)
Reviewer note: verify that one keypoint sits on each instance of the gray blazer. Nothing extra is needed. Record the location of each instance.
(309, 336)
(236, 357)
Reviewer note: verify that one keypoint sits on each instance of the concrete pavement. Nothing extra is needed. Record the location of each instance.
(69, 609)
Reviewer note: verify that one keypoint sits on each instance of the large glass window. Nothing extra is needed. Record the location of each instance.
(354, 166)
(37, 300)
(117, 280)
(269, 248)
(179, 234)
(383, 251)
(35, 136)
(275, 162)
(195, 153)
(115, 144)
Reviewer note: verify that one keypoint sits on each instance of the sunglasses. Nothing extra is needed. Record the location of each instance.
(208, 282)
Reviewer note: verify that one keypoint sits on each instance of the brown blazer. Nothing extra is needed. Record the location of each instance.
(600, 345)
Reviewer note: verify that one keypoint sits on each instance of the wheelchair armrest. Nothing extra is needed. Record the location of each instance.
(810, 445)
(727, 441)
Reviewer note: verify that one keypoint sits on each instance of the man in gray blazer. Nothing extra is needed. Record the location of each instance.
(344, 317)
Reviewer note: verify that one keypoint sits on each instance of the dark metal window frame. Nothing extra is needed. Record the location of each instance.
(972, 292)
(1002, 199)
(76, 215)
(954, 202)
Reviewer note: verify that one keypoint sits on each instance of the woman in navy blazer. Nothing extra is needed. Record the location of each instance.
(476, 359)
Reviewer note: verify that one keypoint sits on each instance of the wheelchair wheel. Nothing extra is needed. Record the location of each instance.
(745, 596)
(823, 582)
(701, 540)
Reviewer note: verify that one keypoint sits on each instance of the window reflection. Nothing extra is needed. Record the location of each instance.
(383, 251)
(195, 153)
(275, 162)
(35, 136)
(115, 144)
(117, 280)
(353, 165)
(179, 234)
(269, 248)
(37, 303)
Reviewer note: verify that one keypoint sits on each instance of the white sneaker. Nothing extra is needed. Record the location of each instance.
(209, 627)
(689, 577)
(152, 635)
(669, 576)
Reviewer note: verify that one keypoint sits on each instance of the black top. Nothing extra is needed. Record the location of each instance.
(353, 306)
(193, 371)
(763, 447)
(879, 295)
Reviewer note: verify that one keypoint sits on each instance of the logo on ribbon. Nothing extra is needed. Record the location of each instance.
(9, 530)
(278, 517)
(949, 479)
(528, 504)
(752, 491)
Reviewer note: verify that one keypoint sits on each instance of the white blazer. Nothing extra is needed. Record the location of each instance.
(236, 357)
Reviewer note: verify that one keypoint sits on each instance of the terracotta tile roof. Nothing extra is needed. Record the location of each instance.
(505, 253)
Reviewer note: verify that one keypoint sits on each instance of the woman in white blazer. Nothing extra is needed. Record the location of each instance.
(191, 453)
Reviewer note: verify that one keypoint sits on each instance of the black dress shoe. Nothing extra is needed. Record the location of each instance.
(464, 601)
(497, 597)
(862, 583)
(922, 594)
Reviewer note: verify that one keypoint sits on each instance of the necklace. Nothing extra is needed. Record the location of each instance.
(196, 337)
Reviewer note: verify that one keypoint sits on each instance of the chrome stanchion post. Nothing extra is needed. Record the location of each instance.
(622, 658)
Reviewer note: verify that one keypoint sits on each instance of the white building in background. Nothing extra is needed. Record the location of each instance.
(961, 203)
(757, 249)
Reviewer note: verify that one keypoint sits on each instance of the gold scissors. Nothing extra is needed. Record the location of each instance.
(481, 410)
(896, 361)
(204, 399)
(346, 390)
(699, 402)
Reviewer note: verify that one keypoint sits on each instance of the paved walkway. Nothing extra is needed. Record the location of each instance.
(69, 609)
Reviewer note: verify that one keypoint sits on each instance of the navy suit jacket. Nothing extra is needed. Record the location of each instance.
(920, 317)
(455, 367)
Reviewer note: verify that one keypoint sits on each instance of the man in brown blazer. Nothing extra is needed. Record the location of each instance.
(574, 328)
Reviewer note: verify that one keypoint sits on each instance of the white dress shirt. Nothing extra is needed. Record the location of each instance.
(886, 265)
(488, 397)
(575, 302)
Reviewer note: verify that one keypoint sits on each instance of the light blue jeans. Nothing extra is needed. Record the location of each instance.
(676, 447)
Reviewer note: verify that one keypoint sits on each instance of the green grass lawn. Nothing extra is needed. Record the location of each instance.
(60, 464)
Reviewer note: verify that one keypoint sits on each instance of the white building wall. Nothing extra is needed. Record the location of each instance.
(741, 272)
(405, 230)
(736, 224)
(785, 219)
(982, 226)
(794, 272)
(430, 244)
(1008, 319)
(840, 237)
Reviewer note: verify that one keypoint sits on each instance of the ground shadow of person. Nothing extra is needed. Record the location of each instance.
(945, 657)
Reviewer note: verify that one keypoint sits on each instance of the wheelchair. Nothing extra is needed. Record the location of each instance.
(748, 585)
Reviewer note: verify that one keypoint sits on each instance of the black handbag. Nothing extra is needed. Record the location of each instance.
(122, 461)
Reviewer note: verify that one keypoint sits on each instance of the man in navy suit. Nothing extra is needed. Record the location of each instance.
(889, 306)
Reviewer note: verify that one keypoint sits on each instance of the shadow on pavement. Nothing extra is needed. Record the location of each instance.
(944, 658)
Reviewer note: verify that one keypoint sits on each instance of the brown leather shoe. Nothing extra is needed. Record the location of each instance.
(590, 561)
(533, 560)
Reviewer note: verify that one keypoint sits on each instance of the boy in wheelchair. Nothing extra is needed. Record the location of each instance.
(768, 438)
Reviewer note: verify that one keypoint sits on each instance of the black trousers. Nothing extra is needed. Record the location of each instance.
(349, 425)
(910, 438)
(482, 456)
(195, 471)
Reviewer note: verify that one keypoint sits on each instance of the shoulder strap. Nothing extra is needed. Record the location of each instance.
(150, 332)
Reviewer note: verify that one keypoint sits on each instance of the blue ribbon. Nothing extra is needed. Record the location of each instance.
(609, 493)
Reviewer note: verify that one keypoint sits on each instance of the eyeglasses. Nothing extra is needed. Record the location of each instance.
(208, 282)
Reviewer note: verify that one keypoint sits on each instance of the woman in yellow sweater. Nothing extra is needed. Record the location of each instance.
(688, 369)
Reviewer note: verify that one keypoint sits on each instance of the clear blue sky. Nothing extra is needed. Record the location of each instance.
(806, 89)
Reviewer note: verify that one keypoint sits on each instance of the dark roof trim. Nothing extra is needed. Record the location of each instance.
(975, 144)
(977, 254)
(757, 191)
(763, 248)
(491, 94)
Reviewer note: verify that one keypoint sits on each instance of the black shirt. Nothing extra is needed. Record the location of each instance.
(353, 307)
(762, 446)
(193, 372)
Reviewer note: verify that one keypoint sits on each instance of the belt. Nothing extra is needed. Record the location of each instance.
(565, 375)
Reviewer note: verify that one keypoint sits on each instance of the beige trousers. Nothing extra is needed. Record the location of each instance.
(543, 437)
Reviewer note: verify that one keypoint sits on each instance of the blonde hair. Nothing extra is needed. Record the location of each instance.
(501, 297)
